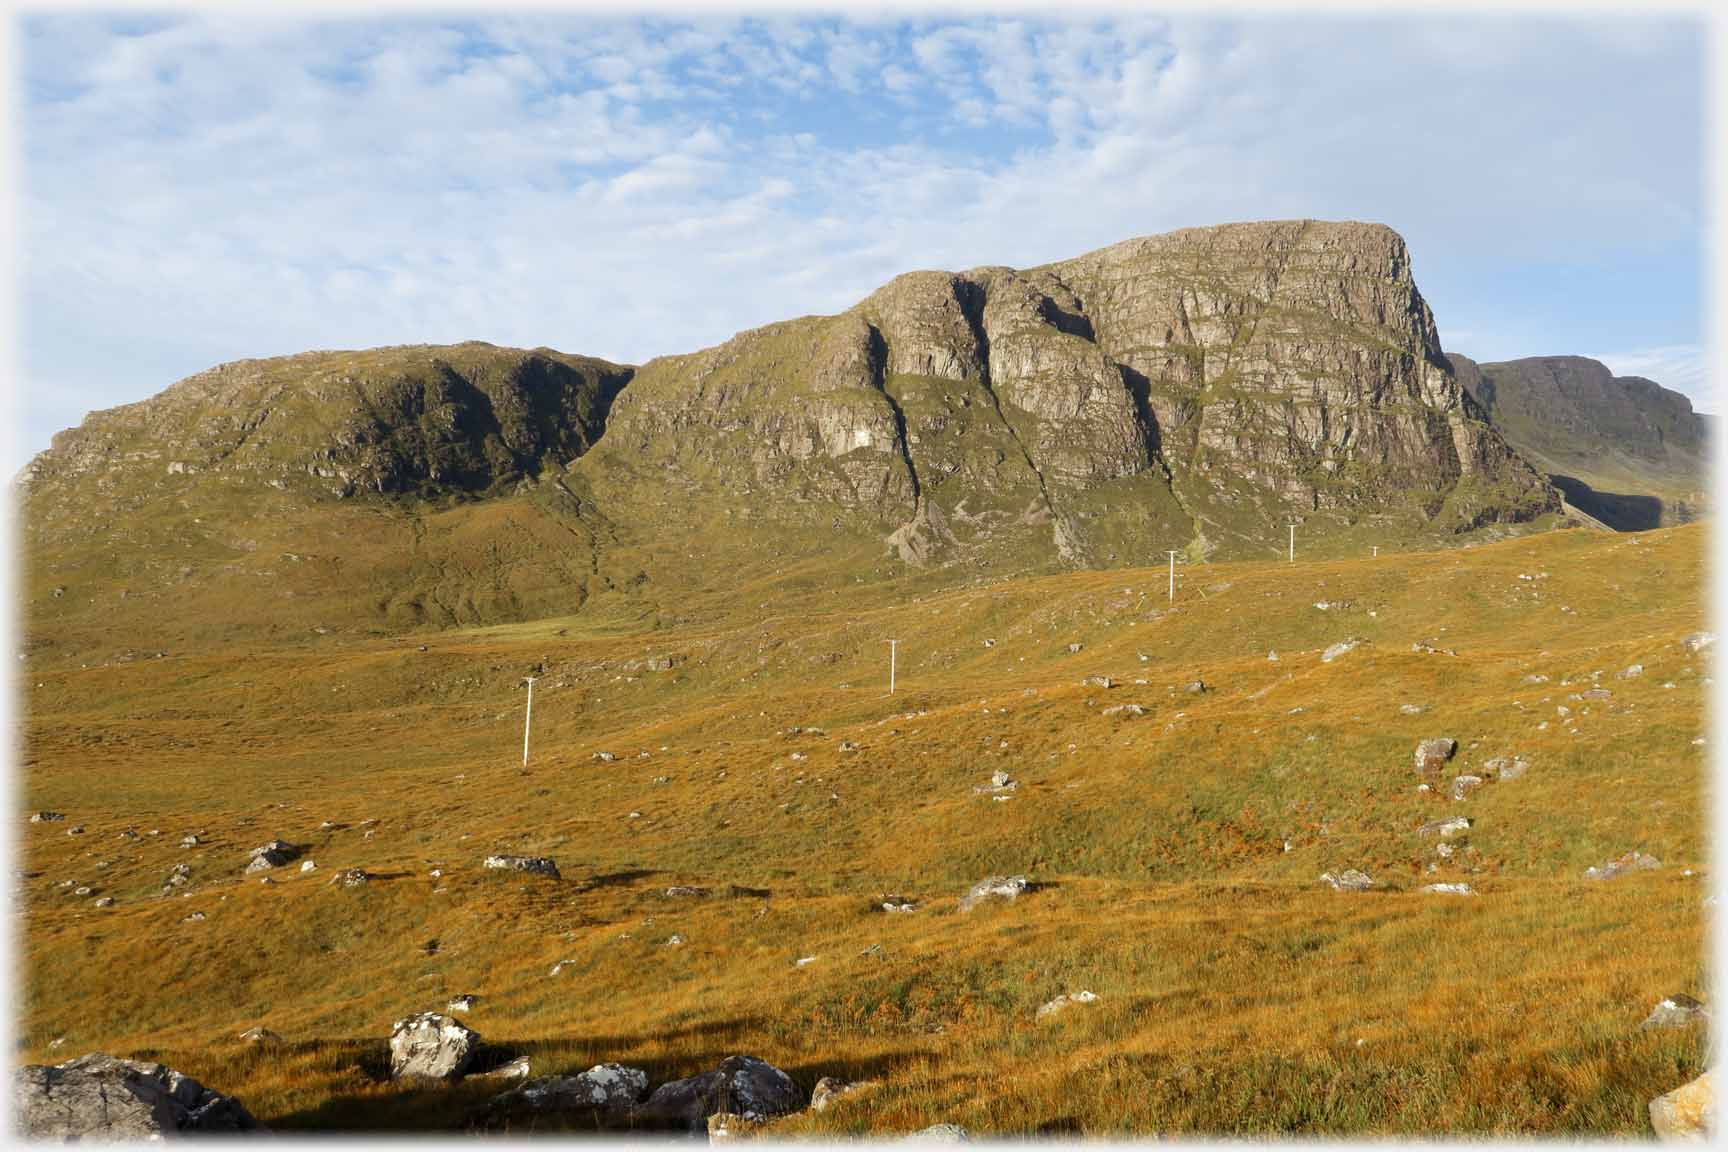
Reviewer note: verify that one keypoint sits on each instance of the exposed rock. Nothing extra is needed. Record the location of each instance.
(351, 878)
(461, 1003)
(742, 1085)
(830, 1090)
(940, 1134)
(1450, 889)
(993, 888)
(1336, 650)
(606, 1087)
(1063, 1001)
(1630, 672)
(271, 855)
(1431, 755)
(260, 1036)
(1688, 1113)
(1350, 880)
(1631, 862)
(431, 1046)
(99, 1098)
(1124, 709)
(1445, 829)
(1677, 1011)
(1462, 786)
(538, 865)
(517, 1069)
(1698, 641)
(1099, 682)
(45, 817)
(1506, 767)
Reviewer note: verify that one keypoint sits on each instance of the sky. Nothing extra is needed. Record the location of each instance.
(201, 188)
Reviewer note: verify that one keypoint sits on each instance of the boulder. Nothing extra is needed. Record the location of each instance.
(1063, 1001)
(1631, 862)
(260, 1036)
(1462, 786)
(1450, 889)
(1445, 829)
(537, 865)
(940, 1134)
(1686, 1114)
(1332, 653)
(351, 878)
(742, 1085)
(1699, 641)
(461, 1003)
(1677, 1011)
(101, 1098)
(431, 1046)
(607, 1087)
(517, 1069)
(46, 817)
(1350, 880)
(1431, 755)
(830, 1089)
(993, 888)
(271, 855)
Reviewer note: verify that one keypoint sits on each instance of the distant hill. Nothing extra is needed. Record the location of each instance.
(1195, 391)
(1623, 449)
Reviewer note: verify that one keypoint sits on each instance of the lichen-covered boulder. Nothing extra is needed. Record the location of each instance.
(607, 1087)
(98, 1097)
(1686, 1114)
(743, 1085)
(431, 1046)
(993, 888)
(537, 865)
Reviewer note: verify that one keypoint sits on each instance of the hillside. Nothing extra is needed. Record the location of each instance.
(756, 758)
(1196, 391)
(1623, 449)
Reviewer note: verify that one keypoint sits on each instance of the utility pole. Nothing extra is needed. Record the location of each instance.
(527, 720)
(1171, 552)
(1376, 551)
(893, 646)
(1292, 543)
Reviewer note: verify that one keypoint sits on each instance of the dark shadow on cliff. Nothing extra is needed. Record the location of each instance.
(1621, 511)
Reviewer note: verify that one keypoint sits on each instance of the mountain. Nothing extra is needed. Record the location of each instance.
(1194, 391)
(1623, 449)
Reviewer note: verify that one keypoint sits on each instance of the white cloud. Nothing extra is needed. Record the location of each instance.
(226, 186)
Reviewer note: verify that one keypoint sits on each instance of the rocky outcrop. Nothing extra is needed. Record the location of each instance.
(102, 1098)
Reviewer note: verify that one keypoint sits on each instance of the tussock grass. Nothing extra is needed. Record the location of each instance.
(1235, 995)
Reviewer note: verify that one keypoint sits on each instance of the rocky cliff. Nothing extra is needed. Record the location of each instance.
(1194, 391)
(1623, 449)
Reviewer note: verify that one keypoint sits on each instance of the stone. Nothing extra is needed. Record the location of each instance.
(1350, 880)
(1630, 672)
(678, 891)
(940, 1134)
(1431, 755)
(1677, 1011)
(105, 902)
(431, 1046)
(1450, 889)
(351, 878)
(271, 855)
(461, 1003)
(260, 1035)
(517, 1069)
(1688, 1113)
(1631, 862)
(1698, 641)
(1462, 786)
(830, 1089)
(1506, 767)
(1336, 650)
(1411, 709)
(604, 1087)
(1124, 710)
(308, 866)
(46, 817)
(993, 888)
(742, 1085)
(535, 865)
(189, 841)
(1445, 829)
(99, 1098)
(1063, 1001)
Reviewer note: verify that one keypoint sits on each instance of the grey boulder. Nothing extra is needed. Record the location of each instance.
(742, 1085)
(102, 1098)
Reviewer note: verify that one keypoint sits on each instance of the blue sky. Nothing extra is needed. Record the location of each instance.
(209, 187)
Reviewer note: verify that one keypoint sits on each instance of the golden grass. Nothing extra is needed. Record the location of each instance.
(1236, 996)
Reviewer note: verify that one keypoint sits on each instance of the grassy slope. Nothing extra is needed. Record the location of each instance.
(1236, 996)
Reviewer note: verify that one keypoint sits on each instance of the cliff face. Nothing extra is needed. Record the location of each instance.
(1623, 449)
(1195, 391)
